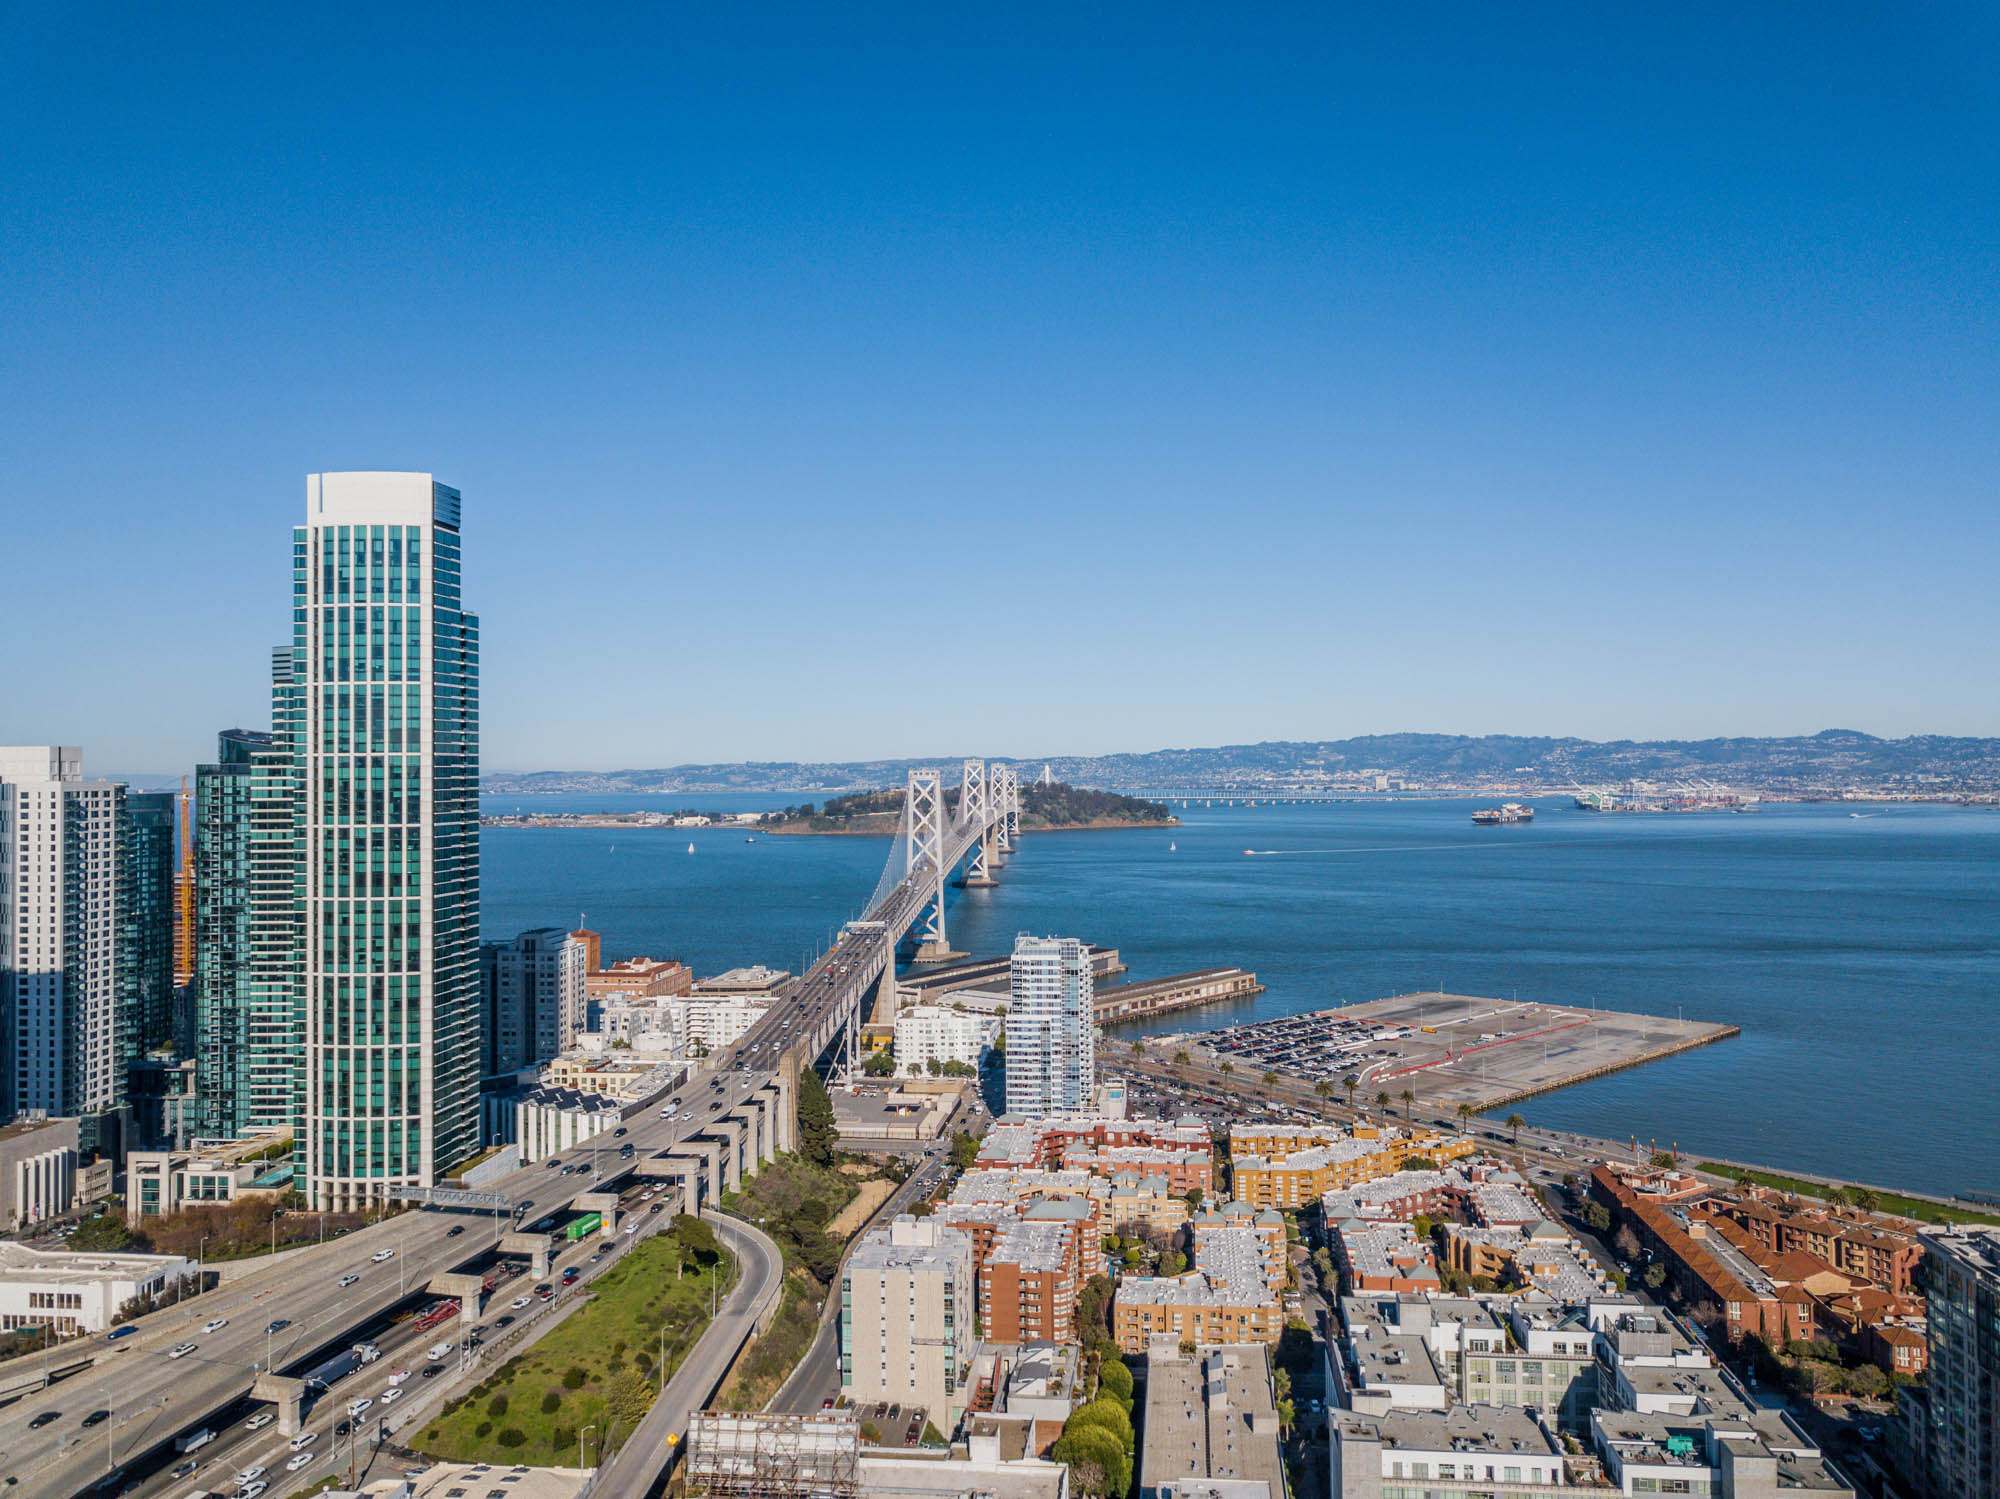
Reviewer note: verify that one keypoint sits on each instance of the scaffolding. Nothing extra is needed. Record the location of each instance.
(749, 1456)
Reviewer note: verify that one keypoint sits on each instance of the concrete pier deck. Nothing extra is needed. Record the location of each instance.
(1448, 1049)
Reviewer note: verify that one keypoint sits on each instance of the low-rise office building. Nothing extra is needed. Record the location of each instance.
(73, 1293)
(1467, 1450)
(165, 1181)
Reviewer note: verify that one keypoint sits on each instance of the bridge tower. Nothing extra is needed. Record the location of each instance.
(1006, 801)
(997, 778)
(924, 838)
(975, 810)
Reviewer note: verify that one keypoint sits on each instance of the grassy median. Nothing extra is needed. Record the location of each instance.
(595, 1375)
(1921, 1209)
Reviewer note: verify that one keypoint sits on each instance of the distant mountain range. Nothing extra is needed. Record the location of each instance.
(1833, 759)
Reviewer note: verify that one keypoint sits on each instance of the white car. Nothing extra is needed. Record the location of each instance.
(520, 1301)
(259, 1421)
(632, 1227)
(360, 1407)
(304, 1440)
(215, 1324)
(181, 1350)
(397, 1376)
(382, 1254)
(251, 1475)
(300, 1461)
(391, 1396)
(252, 1490)
(686, 1117)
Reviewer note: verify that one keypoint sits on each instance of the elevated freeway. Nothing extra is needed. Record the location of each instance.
(700, 1140)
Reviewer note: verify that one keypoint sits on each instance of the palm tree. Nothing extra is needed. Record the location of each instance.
(1836, 1197)
(1227, 1067)
(1181, 1058)
(1514, 1122)
(1270, 1077)
(1409, 1098)
(1865, 1199)
(1138, 1048)
(1464, 1116)
(1382, 1102)
(1323, 1088)
(1350, 1083)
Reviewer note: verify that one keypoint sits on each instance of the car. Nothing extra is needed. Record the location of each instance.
(433, 1371)
(215, 1324)
(251, 1474)
(280, 1325)
(632, 1228)
(505, 1321)
(826, 1404)
(647, 1195)
(454, 1231)
(382, 1254)
(259, 1421)
(520, 1301)
(304, 1440)
(43, 1419)
(569, 1276)
(97, 1418)
(397, 1376)
(182, 1470)
(656, 1207)
(544, 1291)
(117, 1333)
(252, 1489)
(360, 1407)
(686, 1117)
(300, 1461)
(341, 1428)
(618, 1131)
(390, 1397)
(181, 1350)
(348, 1280)
(437, 1351)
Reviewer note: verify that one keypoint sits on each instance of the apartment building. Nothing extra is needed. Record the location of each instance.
(1299, 1176)
(1957, 1443)
(906, 1318)
(933, 1033)
(1051, 1033)
(533, 998)
(1194, 1308)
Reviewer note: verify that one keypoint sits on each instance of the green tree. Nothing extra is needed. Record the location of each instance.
(816, 1129)
(104, 1233)
(879, 1064)
(1597, 1216)
(1098, 1465)
(1514, 1123)
(1409, 1099)
(1323, 1089)
(1655, 1276)
(1116, 1380)
(1138, 1048)
(1270, 1077)
(1382, 1102)
(696, 1237)
(1465, 1112)
(1093, 1308)
(551, 1402)
(1194, 1199)
(1104, 1411)
(1350, 1083)
(1181, 1058)
(1227, 1066)
(964, 1150)
(1663, 1160)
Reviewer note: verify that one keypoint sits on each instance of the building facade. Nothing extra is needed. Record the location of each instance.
(932, 1033)
(533, 998)
(1051, 1043)
(146, 920)
(385, 722)
(248, 1032)
(1958, 1443)
(62, 1015)
(906, 1318)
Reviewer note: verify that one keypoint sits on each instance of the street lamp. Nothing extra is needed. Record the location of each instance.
(579, 1441)
(200, 1266)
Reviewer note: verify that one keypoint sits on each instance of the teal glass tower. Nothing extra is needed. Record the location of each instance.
(384, 723)
(146, 921)
(247, 1011)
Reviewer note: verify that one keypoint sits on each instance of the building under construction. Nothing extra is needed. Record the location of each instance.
(739, 1453)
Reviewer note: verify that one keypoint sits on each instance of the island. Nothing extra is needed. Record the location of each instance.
(1045, 808)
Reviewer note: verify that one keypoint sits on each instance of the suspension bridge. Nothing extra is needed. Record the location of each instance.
(942, 842)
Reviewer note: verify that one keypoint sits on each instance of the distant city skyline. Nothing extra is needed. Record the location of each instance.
(1123, 380)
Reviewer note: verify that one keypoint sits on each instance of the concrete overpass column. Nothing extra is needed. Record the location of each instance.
(605, 1203)
(534, 1246)
(288, 1395)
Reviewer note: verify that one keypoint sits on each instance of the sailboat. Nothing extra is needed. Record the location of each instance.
(690, 848)
(1172, 846)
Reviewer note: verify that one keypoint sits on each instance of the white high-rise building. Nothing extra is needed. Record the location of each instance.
(1051, 1041)
(906, 1318)
(383, 724)
(60, 1013)
(933, 1033)
(535, 1002)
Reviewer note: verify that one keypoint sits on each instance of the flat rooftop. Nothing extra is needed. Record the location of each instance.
(1210, 1417)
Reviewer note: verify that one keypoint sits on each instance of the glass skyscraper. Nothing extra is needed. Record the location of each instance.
(382, 718)
(146, 920)
(249, 1020)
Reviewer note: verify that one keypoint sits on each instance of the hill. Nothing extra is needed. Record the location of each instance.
(1043, 809)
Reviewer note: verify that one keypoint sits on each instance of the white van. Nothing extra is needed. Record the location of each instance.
(437, 1351)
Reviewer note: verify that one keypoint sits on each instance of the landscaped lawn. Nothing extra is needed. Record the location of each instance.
(1886, 1202)
(596, 1370)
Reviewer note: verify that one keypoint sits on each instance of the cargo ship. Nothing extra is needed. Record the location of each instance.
(1505, 812)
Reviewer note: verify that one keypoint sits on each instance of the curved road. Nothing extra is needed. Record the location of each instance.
(640, 1465)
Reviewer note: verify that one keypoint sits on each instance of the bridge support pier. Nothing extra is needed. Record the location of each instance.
(534, 1246)
(288, 1395)
(605, 1203)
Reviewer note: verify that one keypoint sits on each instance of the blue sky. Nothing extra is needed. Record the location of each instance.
(824, 386)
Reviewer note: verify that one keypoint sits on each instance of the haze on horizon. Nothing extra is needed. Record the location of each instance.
(823, 386)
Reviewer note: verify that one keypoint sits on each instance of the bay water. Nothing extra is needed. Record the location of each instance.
(1859, 954)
